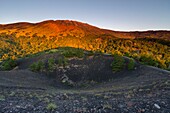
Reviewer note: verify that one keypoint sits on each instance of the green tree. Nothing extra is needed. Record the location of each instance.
(118, 63)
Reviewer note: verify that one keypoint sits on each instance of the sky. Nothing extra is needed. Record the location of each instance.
(119, 15)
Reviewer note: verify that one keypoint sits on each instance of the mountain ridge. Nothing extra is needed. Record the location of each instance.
(54, 28)
(74, 21)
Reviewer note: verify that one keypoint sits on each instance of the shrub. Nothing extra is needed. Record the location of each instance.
(51, 106)
(36, 67)
(118, 63)
(131, 64)
(8, 64)
(33, 67)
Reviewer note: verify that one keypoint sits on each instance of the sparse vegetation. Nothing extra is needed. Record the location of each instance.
(2, 97)
(107, 106)
(51, 106)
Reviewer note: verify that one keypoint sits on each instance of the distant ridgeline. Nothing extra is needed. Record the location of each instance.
(150, 51)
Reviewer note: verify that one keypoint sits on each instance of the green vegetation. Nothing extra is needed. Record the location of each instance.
(51, 106)
(62, 61)
(51, 64)
(37, 66)
(131, 64)
(48, 66)
(148, 61)
(150, 51)
(8, 64)
(2, 98)
(118, 63)
(72, 52)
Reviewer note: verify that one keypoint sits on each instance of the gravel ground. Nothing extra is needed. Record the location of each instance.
(143, 90)
(154, 99)
(149, 97)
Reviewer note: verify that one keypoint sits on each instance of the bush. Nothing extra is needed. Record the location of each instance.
(36, 67)
(8, 64)
(33, 67)
(118, 63)
(131, 64)
(51, 106)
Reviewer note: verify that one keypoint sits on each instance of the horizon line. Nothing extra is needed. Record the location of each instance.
(119, 30)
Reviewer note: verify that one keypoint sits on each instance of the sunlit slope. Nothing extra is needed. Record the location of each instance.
(51, 29)
(23, 39)
(61, 28)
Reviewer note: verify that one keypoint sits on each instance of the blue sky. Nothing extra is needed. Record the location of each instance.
(124, 15)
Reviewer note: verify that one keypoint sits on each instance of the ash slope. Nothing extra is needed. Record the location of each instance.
(145, 89)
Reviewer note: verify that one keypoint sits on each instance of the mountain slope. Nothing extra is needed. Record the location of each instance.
(74, 28)
(23, 39)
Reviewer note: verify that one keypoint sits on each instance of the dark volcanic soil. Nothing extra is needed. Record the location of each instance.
(143, 90)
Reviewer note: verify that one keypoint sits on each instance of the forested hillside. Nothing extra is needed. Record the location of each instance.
(23, 39)
(154, 52)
